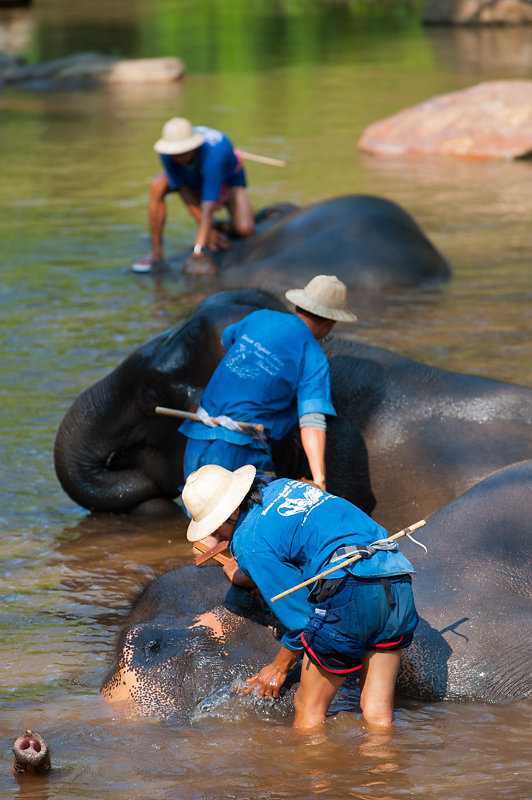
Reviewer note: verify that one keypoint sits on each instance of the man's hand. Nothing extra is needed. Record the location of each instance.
(269, 681)
(218, 241)
(271, 677)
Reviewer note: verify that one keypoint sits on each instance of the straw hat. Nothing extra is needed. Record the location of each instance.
(211, 494)
(178, 137)
(324, 296)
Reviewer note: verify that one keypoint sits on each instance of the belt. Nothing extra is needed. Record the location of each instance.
(363, 550)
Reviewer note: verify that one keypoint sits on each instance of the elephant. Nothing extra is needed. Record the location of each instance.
(185, 639)
(408, 437)
(473, 590)
(374, 244)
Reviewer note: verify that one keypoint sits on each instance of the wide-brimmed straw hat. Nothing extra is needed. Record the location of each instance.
(178, 137)
(325, 296)
(211, 494)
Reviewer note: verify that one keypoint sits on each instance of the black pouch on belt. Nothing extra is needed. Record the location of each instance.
(324, 589)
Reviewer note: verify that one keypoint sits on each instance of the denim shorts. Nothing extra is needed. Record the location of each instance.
(231, 456)
(363, 614)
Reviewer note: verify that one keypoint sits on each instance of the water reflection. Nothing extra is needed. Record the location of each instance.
(487, 52)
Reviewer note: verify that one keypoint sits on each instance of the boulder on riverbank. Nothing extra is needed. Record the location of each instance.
(91, 68)
(492, 120)
(477, 12)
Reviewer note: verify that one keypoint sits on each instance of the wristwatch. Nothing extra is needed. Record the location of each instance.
(197, 249)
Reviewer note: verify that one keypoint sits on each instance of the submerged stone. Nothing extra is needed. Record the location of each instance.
(92, 68)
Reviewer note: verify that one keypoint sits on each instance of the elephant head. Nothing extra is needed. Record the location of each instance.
(112, 452)
(187, 639)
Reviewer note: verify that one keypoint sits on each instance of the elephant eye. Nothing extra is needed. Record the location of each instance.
(151, 647)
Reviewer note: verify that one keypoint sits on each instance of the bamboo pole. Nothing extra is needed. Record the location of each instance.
(274, 162)
(175, 412)
(342, 564)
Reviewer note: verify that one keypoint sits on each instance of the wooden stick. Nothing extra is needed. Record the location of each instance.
(174, 412)
(213, 552)
(398, 535)
(274, 162)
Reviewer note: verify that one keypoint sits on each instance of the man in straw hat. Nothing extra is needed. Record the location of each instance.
(274, 373)
(357, 620)
(201, 164)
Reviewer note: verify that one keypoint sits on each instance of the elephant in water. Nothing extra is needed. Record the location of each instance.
(373, 243)
(408, 438)
(188, 638)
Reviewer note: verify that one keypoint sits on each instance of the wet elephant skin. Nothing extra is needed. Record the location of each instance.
(373, 243)
(474, 592)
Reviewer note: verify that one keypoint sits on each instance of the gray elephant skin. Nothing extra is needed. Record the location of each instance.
(408, 438)
(373, 243)
(186, 639)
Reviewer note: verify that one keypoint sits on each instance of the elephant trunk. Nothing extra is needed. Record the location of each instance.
(109, 456)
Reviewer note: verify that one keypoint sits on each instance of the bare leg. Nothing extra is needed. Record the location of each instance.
(315, 694)
(377, 687)
(159, 188)
(239, 207)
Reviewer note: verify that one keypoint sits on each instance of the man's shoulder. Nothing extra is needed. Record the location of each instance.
(265, 316)
(211, 135)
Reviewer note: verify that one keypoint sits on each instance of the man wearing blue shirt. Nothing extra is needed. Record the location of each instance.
(273, 374)
(202, 165)
(357, 620)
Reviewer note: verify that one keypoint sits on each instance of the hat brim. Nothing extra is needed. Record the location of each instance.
(240, 485)
(299, 298)
(169, 148)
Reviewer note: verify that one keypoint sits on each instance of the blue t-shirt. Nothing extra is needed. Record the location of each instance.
(274, 371)
(292, 536)
(215, 163)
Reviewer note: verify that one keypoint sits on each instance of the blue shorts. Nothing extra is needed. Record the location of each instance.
(238, 178)
(231, 456)
(364, 614)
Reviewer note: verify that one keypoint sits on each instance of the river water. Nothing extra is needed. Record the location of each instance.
(293, 80)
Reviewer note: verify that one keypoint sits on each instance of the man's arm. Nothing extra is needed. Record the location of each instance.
(313, 441)
(203, 234)
(203, 214)
(190, 199)
(236, 576)
(271, 677)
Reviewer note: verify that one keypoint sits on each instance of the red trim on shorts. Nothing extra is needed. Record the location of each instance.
(388, 644)
(327, 669)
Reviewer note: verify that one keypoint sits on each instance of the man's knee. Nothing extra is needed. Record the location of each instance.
(159, 186)
(244, 227)
(307, 714)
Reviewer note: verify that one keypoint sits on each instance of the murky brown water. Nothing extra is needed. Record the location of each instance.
(300, 86)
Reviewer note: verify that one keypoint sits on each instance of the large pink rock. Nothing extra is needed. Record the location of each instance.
(491, 120)
(477, 12)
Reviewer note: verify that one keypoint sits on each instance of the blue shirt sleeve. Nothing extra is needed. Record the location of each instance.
(314, 385)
